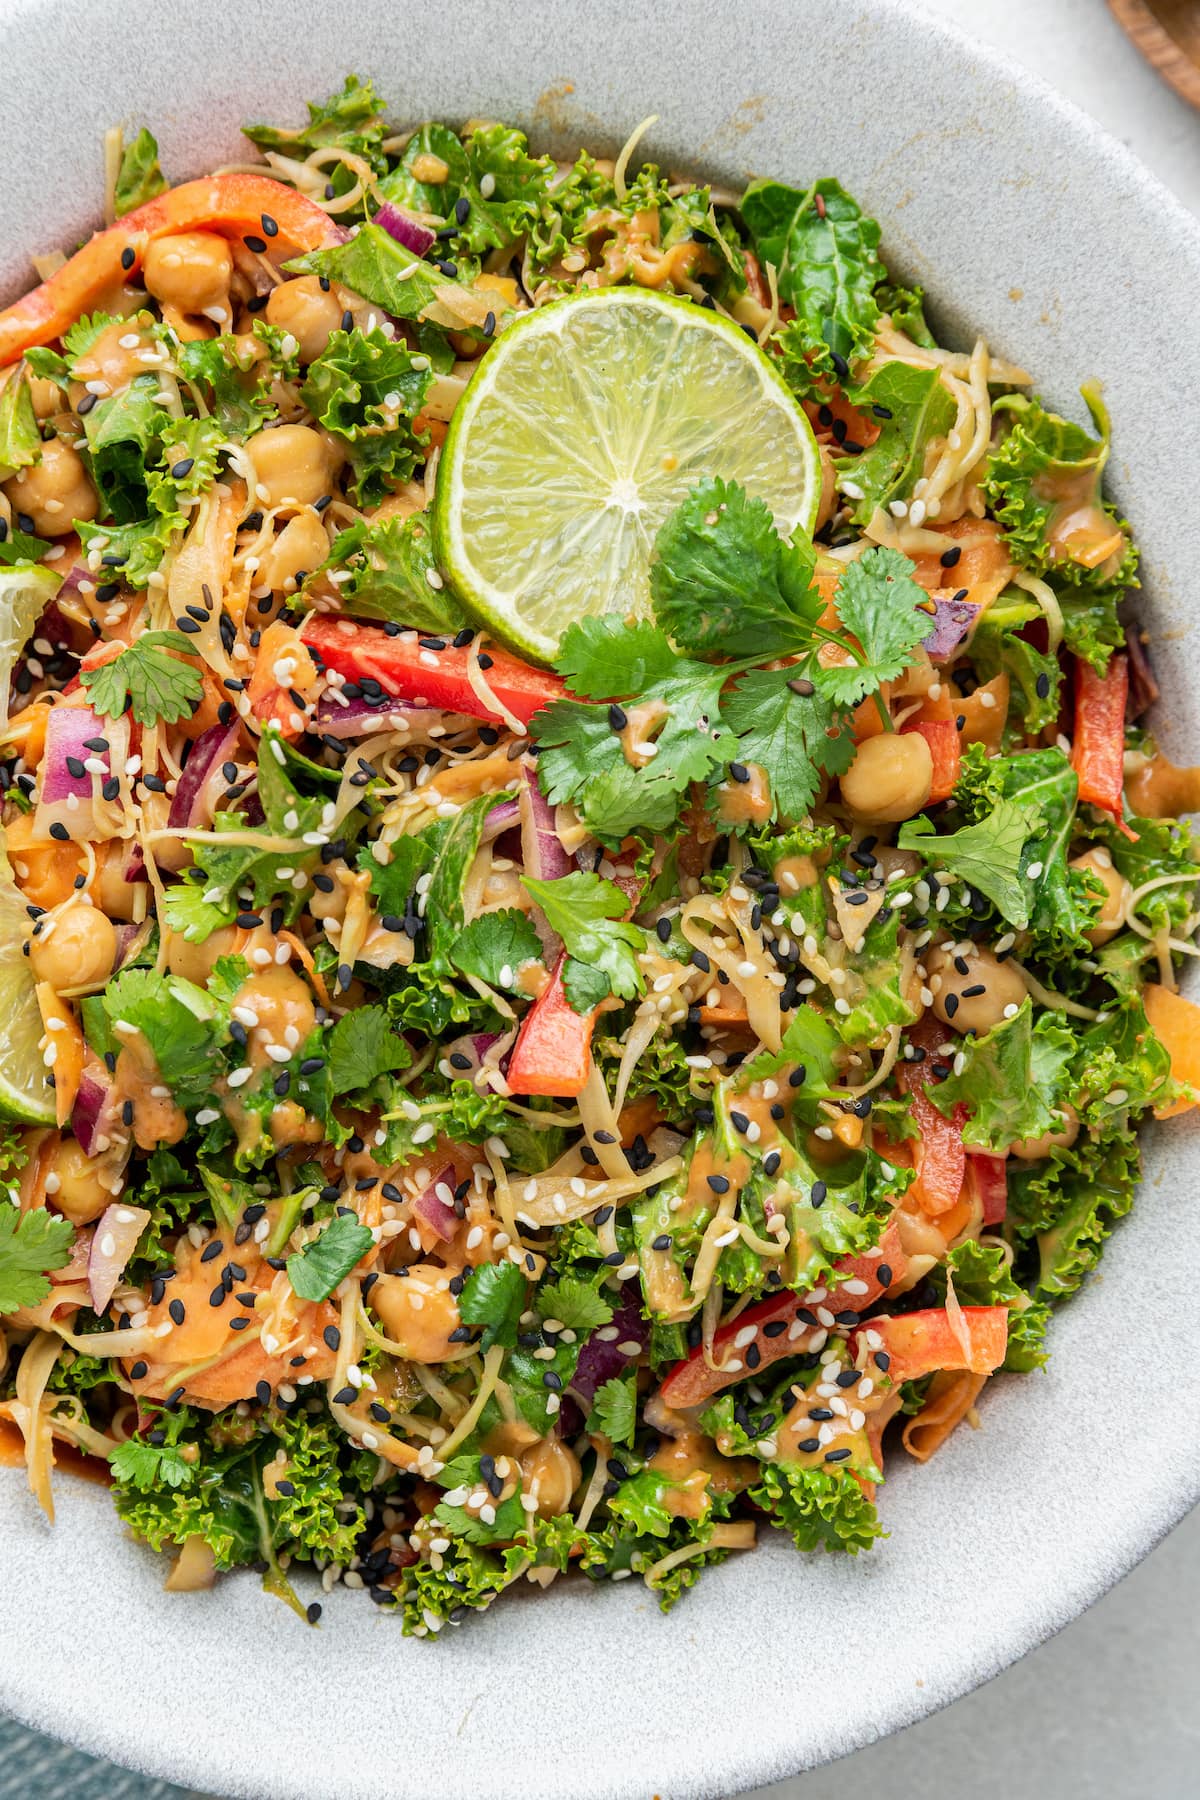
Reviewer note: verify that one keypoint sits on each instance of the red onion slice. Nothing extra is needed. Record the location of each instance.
(611, 1348)
(65, 798)
(405, 229)
(202, 780)
(94, 1112)
(115, 1240)
(361, 717)
(952, 620)
(434, 1208)
(544, 856)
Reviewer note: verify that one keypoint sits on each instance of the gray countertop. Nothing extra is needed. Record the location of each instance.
(1106, 1710)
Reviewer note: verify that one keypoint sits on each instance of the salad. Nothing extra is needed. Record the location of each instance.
(588, 910)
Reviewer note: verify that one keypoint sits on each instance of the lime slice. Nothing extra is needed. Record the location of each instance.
(588, 422)
(24, 1093)
(25, 592)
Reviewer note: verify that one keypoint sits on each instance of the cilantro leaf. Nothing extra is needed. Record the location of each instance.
(574, 1303)
(494, 1297)
(987, 855)
(725, 583)
(583, 758)
(147, 678)
(880, 604)
(792, 735)
(827, 262)
(389, 566)
(605, 657)
(145, 1467)
(495, 946)
(31, 1245)
(362, 1046)
(367, 389)
(614, 1410)
(588, 913)
(1012, 1080)
(139, 177)
(315, 1271)
(184, 1026)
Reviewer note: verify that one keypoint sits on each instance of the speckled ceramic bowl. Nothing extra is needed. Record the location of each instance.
(1026, 223)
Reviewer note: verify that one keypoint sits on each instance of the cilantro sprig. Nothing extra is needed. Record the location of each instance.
(724, 585)
(32, 1245)
(149, 679)
(588, 914)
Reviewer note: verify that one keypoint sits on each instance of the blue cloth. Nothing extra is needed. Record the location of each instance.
(33, 1767)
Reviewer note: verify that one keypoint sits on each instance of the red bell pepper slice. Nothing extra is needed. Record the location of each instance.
(989, 1177)
(230, 205)
(1098, 756)
(945, 747)
(553, 1046)
(398, 664)
(693, 1381)
(940, 1157)
(554, 1043)
(917, 1343)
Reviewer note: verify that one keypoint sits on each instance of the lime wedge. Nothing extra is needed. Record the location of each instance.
(585, 424)
(25, 592)
(24, 1093)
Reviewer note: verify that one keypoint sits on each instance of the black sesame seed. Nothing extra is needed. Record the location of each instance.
(774, 1327)
(110, 787)
(819, 1191)
(617, 718)
(270, 228)
(719, 1183)
(1042, 684)
(739, 771)
(128, 257)
(837, 1456)
(883, 1361)
(809, 1444)
(951, 1005)
(137, 1371)
(254, 243)
(333, 1337)
(950, 557)
(178, 1311)
(60, 833)
(662, 1242)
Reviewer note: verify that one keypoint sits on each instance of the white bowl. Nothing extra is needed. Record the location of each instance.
(1027, 224)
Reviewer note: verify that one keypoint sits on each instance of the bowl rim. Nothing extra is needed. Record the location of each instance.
(184, 1763)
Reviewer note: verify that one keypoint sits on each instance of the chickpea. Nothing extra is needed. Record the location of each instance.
(890, 777)
(418, 1311)
(331, 905)
(955, 1001)
(79, 950)
(310, 312)
(110, 891)
(1098, 863)
(55, 491)
(301, 547)
(80, 1194)
(551, 1473)
(292, 462)
(46, 398)
(192, 272)
(195, 962)
(1033, 1149)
